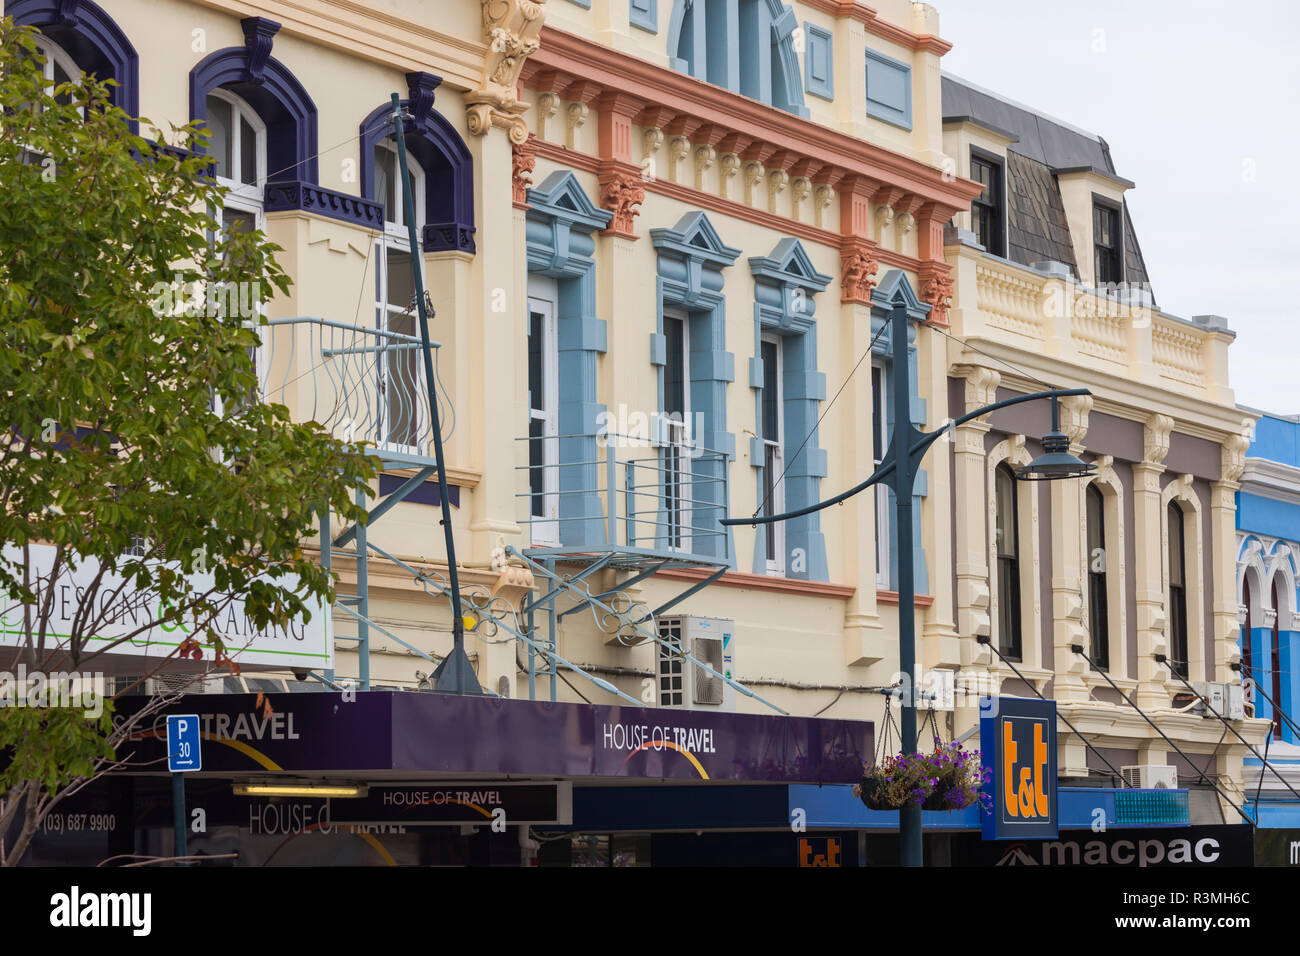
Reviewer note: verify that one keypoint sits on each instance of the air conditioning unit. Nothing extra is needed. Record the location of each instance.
(162, 684)
(1150, 777)
(1225, 700)
(682, 683)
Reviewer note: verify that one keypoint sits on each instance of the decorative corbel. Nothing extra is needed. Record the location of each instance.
(858, 268)
(511, 29)
(1155, 438)
(523, 161)
(704, 159)
(548, 104)
(259, 35)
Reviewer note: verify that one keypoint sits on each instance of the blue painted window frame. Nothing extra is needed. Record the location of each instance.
(785, 289)
(880, 109)
(690, 260)
(815, 37)
(644, 14)
(561, 227)
(894, 289)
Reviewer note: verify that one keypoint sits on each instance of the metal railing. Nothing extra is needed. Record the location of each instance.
(615, 491)
(359, 383)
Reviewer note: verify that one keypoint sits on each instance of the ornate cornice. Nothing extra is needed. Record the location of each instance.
(511, 29)
(773, 134)
(703, 199)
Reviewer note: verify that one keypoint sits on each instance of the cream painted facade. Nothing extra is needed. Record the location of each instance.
(863, 198)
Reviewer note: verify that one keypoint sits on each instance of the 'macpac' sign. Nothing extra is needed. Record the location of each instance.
(1018, 747)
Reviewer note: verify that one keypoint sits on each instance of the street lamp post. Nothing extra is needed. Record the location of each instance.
(907, 447)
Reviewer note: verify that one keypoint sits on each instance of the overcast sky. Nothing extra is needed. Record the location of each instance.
(1198, 101)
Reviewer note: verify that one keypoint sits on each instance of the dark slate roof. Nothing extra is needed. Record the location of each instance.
(1135, 267)
(1049, 141)
(1042, 147)
(1036, 227)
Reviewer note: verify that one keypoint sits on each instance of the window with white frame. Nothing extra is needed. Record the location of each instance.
(403, 404)
(237, 145)
(879, 445)
(773, 426)
(676, 437)
(543, 411)
(59, 66)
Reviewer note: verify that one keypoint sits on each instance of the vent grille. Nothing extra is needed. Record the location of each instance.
(708, 689)
(670, 662)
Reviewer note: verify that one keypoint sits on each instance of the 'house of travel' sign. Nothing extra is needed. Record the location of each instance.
(303, 644)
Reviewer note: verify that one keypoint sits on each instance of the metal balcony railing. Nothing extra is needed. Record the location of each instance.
(361, 384)
(615, 492)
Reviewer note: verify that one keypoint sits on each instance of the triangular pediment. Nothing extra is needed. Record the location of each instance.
(694, 235)
(789, 262)
(893, 290)
(561, 196)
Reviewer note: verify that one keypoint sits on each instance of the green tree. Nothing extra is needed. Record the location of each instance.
(135, 450)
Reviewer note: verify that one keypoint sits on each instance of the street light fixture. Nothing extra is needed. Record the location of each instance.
(907, 447)
(1055, 462)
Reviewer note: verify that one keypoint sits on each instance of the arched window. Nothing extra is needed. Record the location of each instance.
(84, 39)
(404, 408)
(1098, 617)
(59, 67)
(1007, 544)
(237, 145)
(1248, 638)
(1177, 612)
(746, 46)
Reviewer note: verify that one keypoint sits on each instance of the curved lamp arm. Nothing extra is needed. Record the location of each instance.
(919, 449)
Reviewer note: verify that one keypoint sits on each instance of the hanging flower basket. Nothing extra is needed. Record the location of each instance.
(949, 778)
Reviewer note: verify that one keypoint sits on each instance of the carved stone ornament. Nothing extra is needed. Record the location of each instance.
(1234, 457)
(937, 289)
(523, 160)
(1155, 444)
(981, 387)
(622, 194)
(1074, 417)
(511, 29)
(858, 268)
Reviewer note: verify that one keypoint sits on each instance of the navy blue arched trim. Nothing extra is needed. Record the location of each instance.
(273, 91)
(91, 37)
(441, 153)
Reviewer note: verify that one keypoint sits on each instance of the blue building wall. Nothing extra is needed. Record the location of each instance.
(1268, 551)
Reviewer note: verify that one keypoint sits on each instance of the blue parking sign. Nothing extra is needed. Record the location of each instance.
(183, 753)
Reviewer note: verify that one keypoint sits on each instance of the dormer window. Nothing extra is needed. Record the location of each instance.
(1107, 244)
(986, 208)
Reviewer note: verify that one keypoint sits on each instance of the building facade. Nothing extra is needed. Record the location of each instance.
(662, 240)
(1268, 532)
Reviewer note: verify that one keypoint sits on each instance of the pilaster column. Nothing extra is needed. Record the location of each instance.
(1068, 528)
(1223, 528)
(1148, 572)
(970, 554)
